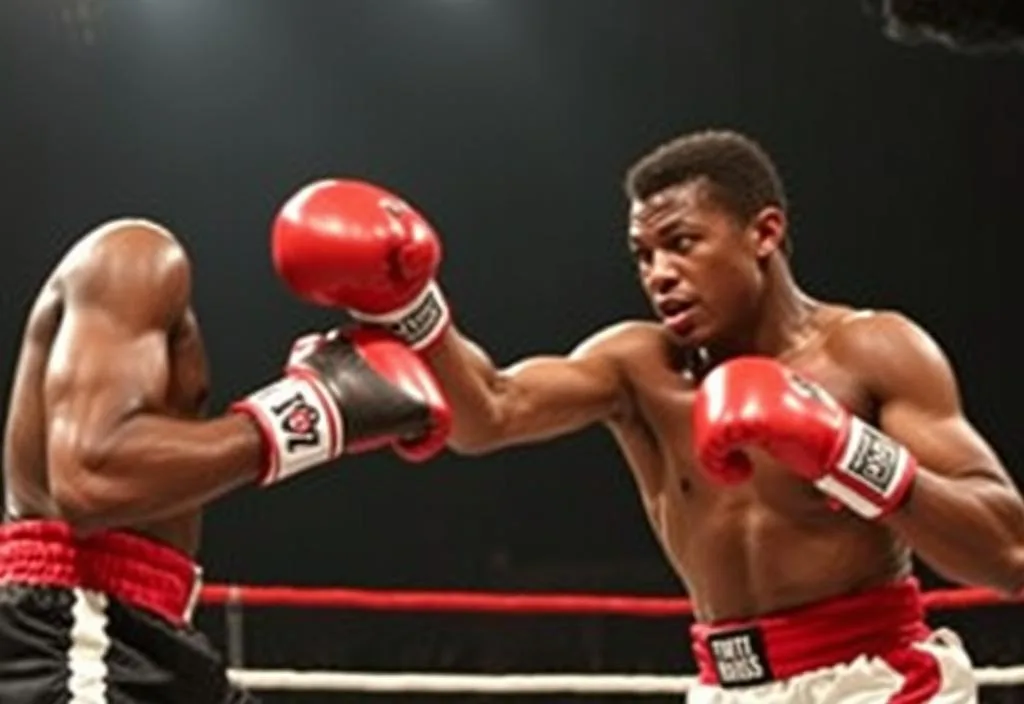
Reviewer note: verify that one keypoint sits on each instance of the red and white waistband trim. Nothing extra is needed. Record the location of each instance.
(874, 622)
(129, 568)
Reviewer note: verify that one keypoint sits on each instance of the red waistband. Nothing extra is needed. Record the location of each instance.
(129, 568)
(785, 644)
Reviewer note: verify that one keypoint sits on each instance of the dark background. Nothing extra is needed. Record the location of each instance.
(510, 122)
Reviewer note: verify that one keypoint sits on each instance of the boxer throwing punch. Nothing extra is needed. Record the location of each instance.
(107, 465)
(790, 452)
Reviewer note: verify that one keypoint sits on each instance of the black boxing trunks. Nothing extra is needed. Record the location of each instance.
(103, 618)
(873, 646)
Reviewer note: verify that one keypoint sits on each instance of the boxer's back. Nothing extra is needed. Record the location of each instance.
(47, 366)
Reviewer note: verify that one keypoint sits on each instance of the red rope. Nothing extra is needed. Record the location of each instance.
(478, 602)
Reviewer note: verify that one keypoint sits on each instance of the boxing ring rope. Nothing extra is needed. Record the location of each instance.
(235, 597)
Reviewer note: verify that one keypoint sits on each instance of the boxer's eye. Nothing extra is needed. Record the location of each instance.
(679, 243)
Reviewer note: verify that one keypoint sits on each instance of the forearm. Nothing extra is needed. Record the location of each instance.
(533, 400)
(970, 529)
(152, 467)
(472, 385)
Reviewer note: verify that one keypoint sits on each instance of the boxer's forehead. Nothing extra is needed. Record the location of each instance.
(667, 208)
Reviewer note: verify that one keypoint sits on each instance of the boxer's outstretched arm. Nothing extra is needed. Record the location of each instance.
(115, 458)
(535, 399)
(964, 516)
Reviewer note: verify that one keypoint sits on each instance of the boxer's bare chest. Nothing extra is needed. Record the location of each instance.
(774, 531)
(664, 393)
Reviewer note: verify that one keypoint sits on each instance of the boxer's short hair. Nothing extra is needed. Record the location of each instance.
(742, 176)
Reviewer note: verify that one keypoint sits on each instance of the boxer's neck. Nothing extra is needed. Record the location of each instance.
(778, 324)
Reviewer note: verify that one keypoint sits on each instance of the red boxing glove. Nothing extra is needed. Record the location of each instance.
(757, 401)
(348, 392)
(353, 245)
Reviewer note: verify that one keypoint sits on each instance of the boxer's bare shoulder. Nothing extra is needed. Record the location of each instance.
(884, 343)
(133, 264)
(641, 349)
(107, 259)
(894, 359)
(638, 350)
(626, 340)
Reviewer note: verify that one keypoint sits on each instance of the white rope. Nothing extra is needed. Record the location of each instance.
(262, 680)
(1000, 676)
(381, 682)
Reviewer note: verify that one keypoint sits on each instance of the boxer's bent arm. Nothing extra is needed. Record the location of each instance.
(535, 399)
(964, 516)
(114, 459)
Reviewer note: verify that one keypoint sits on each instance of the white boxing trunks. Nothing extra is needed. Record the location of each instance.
(864, 648)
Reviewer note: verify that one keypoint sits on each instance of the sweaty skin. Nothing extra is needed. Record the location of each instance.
(103, 426)
(723, 288)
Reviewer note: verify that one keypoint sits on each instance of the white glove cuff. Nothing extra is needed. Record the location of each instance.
(302, 427)
(419, 323)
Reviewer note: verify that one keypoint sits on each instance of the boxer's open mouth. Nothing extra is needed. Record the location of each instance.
(671, 307)
(676, 313)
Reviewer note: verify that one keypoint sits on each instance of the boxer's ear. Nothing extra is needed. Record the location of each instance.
(769, 230)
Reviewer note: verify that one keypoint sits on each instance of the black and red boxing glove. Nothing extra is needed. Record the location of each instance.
(347, 392)
(757, 402)
(350, 244)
